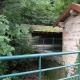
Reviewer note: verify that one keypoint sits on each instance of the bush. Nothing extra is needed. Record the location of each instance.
(14, 40)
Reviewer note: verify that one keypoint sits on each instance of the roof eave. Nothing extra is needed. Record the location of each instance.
(66, 13)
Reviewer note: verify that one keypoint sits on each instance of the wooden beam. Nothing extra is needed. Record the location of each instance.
(61, 24)
(66, 13)
(73, 12)
(63, 16)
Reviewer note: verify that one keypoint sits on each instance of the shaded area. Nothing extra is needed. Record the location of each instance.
(54, 74)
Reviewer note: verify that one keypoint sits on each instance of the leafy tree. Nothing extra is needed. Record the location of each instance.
(14, 38)
(34, 12)
(12, 8)
(60, 6)
(37, 12)
(13, 41)
(78, 1)
(5, 48)
(43, 12)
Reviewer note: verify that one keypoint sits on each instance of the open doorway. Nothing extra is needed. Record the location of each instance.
(47, 41)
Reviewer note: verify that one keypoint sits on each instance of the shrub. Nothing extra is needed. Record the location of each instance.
(14, 40)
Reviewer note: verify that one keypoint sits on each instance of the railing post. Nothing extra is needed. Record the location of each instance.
(43, 44)
(39, 77)
(53, 44)
(79, 66)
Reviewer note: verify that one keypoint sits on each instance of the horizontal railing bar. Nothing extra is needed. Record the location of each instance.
(37, 71)
(19, 74)
(38, 38)
(46, 38)
(70, 77)
(37, 55)
(54, 68)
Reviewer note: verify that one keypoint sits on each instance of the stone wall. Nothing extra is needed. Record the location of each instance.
(71, 36)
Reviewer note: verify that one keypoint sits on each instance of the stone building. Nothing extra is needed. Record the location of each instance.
(70, 22)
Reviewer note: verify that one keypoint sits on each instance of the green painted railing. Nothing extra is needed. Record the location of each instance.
(40, 70)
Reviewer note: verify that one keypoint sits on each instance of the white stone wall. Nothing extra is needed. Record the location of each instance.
(71, 36)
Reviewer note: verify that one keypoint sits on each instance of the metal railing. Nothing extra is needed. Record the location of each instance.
(42, 44)
(48, 44)
(40, 70)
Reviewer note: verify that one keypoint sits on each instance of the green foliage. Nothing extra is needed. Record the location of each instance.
(78, 45)
(37, 12)
(43, 12)
(60, 6)
(15, 78)
(3, 67)
(6, 79)
(14, 40)
(5, 48)
(17, 31)
(34, 12)
(12, 9)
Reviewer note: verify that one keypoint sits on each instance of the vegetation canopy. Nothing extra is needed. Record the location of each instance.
(14, 38)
